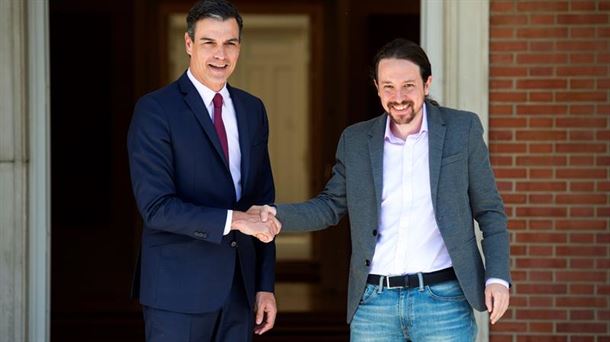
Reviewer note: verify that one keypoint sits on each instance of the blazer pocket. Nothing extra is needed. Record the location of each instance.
(452, 158)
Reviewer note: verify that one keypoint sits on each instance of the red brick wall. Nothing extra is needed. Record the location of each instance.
(549, 140)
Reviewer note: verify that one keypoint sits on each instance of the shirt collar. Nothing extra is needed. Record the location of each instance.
(389, 136)
(206, 93)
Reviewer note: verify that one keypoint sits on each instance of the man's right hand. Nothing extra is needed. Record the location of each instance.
(251, 224)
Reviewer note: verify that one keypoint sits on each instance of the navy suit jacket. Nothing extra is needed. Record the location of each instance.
(183, 189)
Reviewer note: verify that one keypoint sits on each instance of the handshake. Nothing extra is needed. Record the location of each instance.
(259, 221)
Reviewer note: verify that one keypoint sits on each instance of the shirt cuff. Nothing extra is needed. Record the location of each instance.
(497, 281)
(228, 222)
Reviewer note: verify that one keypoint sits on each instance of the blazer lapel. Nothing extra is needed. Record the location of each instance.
(193, 100)
(244, 135)
(376, 142)
(436, 139)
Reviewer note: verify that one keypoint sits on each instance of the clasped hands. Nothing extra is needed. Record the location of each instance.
(258, 221)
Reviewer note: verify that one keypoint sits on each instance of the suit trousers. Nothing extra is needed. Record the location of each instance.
(234, 321)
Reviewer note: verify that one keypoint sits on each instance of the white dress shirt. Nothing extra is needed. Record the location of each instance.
(230, 121)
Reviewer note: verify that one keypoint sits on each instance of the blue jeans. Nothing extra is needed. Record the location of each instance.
(432, 313)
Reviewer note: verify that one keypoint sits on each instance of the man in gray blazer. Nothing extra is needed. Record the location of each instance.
(412, 180)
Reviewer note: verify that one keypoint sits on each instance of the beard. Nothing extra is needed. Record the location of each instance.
(402, 119)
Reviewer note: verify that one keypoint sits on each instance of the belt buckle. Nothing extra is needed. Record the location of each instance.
(387, 284)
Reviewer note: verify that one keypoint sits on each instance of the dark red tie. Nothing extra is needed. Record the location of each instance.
(220, 126)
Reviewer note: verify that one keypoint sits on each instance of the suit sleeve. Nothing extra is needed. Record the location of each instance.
(487, 206)
(150, 149)
(265, 194)
(324, 210)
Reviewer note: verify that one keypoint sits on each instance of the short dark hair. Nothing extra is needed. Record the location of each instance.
(403, 49)
(216, 9)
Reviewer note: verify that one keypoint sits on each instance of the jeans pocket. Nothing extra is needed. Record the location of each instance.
(449, 291)
(370, 292)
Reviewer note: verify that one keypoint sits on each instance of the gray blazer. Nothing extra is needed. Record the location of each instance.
(462, 187)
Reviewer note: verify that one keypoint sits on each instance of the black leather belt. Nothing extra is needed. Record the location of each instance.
(412, 280)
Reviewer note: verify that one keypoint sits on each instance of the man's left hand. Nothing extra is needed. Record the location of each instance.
(496, 300)
(265, 311)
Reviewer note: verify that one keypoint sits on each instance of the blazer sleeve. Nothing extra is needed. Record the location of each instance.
(487, 206)
(150, 154)
(327, 208)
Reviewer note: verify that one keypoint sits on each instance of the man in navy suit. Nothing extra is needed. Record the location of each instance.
(198, 159)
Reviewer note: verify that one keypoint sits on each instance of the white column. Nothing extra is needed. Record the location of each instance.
(455, 35)
(24, 170)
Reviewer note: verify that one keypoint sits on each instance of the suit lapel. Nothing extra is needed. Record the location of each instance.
(244, 134)
(376, 142)
(193, 100)
(436, 139)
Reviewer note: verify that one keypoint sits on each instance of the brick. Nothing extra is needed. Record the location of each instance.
(546, 32)
(581, 135)
(517, 250)
(582, 186)
(581, 212)
(587, 96)
(540, 327)
(581, 264)
(542, 19)
(603, 83)
(542, 109)
(582, 109)
(580, 148)
(604, 6)
(541, 301)
(582, 19)
(582, 238)
(581, 173)
(602, 135)
(540, 199)
(500, 84)
(603, 186)
(542, 58)
(603, 109)
(582, 327)
(582, 289)
(505, 186)
(541, 263)
(508, 96)
(582, 6)
(518, 276)
(507, 326)
(541, 224)
(580, 224)
(501, 160)
(603, 212)
(603, 58)
(541, 122)
(541, 71)
(546, 46)
(501, 32)
(500, 109)
(540, 173)
(582, 315)
(582, 84)
(541, 186)
(603, 290)
(541, 251)
(496, 135)
(542, 6)
(540, 96)
(542, 212)
(532, 135)
(603, 32)
(581, 161)
(581, 122)
(516, 224)
(542, 238)
(579, 251)
(514, 198)
(540, 148)
(501, 7)
(542, 83)
(602, 238)
(582, 58)
(582, 199)
(586, 302)
(545, 314)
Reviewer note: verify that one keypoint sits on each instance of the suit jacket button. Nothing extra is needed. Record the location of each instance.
(374, 232)
(198, 234)
(367, 262)
(233, 244)
(204, 235)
